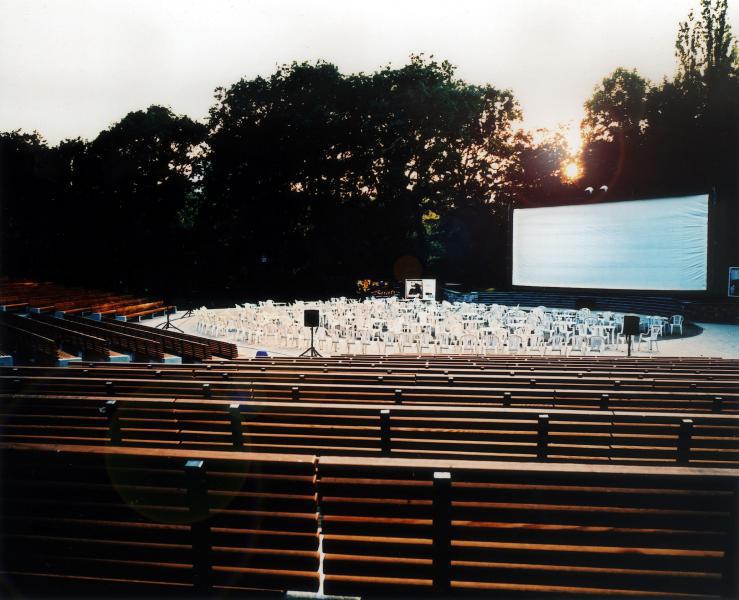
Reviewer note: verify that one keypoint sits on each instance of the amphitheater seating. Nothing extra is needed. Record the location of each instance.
(454, 475)
(195, 520)
(171, 342)
(45, 297)
(392, 526)
(64, 335)
(518, 394)
(124, 342)
(365, 430)
(216, 348)
(134, 520)
(43, 323)
(23, 343)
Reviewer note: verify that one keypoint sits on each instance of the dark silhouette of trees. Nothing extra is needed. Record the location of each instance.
(332, 177)
(305, 181)
(613, 132)
(679, 136)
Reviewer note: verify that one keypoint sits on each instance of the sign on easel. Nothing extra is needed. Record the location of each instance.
(733, 282)
(425, 289)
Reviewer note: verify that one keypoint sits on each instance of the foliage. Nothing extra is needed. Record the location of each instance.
(302, 182)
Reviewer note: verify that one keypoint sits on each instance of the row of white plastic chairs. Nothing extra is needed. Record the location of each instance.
(390, 326)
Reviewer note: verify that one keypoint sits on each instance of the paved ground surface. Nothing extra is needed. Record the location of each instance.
(700, 339)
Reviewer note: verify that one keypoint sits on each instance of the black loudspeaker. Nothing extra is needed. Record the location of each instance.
(590, 303)
(310, 317)
(631, 325)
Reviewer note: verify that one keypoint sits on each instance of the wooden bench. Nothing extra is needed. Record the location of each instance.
(394, 527)
(131, 517)
(175, 521)
(217, 348)
(227, 386)
(367, 430)
(143, 310)
(27, 344)
(65, 337)
(185, 348)
(120, 341)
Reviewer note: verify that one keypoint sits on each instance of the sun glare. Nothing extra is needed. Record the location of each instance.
(572, 171)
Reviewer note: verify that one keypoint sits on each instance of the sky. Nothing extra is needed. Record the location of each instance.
(71, 68)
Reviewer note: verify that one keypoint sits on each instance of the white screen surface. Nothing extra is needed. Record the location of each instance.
(636, 245)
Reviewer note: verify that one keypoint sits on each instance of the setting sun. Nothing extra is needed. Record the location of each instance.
(571, 171)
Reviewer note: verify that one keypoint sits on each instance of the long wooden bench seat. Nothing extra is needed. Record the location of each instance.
(205, 521)
(161, 310)
(644, 367)
(513, 378)
(454, 359)
(217, 347)
(392, 527)
(143, 309)
(185, 348)
(366, 430)
(164, 382)
(233, 523)
(120, 341)
(27, 344)
(64, 336)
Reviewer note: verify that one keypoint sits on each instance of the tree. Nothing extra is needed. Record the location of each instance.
(132, 183)
(613, 129)
(333, 177)
(27, 173)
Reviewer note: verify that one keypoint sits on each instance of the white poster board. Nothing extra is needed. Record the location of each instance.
(733, 282)
(425, 289)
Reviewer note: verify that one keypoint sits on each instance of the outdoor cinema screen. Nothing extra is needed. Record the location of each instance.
(658, 244)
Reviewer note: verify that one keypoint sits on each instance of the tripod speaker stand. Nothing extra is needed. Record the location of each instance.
(630, 328)
(168, 325)
(311, 319)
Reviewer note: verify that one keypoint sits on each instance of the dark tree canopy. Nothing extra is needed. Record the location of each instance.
(303, 182)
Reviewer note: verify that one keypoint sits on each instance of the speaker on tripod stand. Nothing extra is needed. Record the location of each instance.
(631, 327)
(311, 319)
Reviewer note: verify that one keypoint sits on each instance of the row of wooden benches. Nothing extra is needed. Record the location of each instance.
(165, 383)
(93, 520)
(605, 436)
(44, 297)
(612, 364)
(43, 336)
(514, 378)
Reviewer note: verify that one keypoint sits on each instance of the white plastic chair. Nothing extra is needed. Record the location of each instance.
(556, 344)
(676, 321)
(650, 338)
(597, 343)
(515, 343)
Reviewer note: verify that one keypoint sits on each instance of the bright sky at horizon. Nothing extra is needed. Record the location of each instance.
(72, 68)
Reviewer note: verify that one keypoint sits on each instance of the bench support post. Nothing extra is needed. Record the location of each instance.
(385, 432)
(110, 411)
(683, 444)
(197, 498)
(237, 432)
(442, 531)
(542, 442)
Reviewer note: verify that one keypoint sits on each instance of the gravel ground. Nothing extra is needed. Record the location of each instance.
(700, 339)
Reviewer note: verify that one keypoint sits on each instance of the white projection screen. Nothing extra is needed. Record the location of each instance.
(658, 244)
